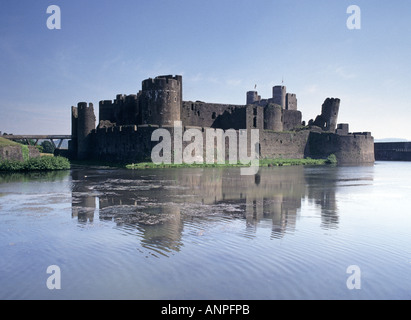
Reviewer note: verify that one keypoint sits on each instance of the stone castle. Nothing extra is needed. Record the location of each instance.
(125, 126)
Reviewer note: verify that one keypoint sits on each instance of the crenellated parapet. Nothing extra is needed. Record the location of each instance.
(161, 100)
(123, 110)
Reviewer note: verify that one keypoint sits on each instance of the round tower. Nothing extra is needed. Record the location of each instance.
(85, 124)
(279, 95)
(74, 130)
(161, 100)
(329, 113)
(273, 117)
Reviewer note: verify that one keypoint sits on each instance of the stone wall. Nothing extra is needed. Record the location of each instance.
(124, 110)
(33, 152)
(129, 144)
(287, 145)
(213, 115)
(16, 153)
(11, 153)
(254, 117)
(354, 148)
(133, 143)
(291, 119)
(393, 151)
(122, 143)
(291, 101)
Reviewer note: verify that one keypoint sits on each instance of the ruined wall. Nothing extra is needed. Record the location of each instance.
(354, 148)
(291, 119)
(213, 115)
(291, 101)
(16, 153)
(252, 97)
(254, 117)
(33, 152)
(124, 110)
(329, 115)
(342, 129)
(11, 153)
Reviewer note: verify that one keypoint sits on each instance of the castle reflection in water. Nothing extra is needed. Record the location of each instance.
(157, 204)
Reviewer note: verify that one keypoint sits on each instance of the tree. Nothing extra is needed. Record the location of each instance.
(27, 142)
(48, 147)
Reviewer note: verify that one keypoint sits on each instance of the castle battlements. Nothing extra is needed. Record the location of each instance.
(162, 83)
(126, 123)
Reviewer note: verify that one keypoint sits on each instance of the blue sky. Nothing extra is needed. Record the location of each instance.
(221, 48)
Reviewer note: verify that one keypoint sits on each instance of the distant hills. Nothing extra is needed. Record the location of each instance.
(391, 140)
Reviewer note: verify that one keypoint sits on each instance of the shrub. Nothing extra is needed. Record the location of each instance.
(36, 164)
(48, 147)
(25, 151)
(11, 165)
(332, 159)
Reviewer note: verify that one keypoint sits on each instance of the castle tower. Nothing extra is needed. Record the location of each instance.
(252, 97)
(291, 101)
(273, 117)
(161, 100)
(106, 111)
(279, 95)
(329, 113)
(73, 146)
(130, 111)
(86, 122)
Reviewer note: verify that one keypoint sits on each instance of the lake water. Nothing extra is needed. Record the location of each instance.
(287, 233)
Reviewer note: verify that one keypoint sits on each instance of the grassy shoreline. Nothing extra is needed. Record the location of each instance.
(331, 160)
(46, 162)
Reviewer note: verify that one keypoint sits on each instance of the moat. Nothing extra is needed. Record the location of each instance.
(286, 233)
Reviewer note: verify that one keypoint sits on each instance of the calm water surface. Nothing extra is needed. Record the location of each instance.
(287, 233)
